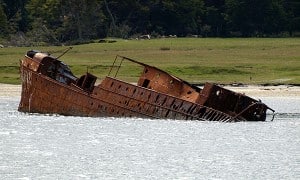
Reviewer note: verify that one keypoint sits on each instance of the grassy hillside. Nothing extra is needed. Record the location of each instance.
(197, 60)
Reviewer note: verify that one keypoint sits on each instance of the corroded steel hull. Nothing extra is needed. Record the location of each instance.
(116, 98)
(49, 87)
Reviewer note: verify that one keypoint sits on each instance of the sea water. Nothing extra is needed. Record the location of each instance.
(34, 146)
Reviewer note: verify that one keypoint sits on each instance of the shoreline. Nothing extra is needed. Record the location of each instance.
(267, 91)
(9, 90)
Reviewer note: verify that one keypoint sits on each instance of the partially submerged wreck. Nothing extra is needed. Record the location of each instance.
(49, 86)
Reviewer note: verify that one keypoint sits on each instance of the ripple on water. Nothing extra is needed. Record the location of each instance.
(50, 147)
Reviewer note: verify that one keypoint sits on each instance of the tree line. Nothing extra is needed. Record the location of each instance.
(61, 21)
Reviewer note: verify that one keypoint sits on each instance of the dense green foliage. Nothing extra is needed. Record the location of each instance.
(42, 22)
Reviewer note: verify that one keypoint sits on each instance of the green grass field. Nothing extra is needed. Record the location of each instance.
(196, 60)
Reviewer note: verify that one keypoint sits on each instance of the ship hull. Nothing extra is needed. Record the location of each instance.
(113, 98)
(50, 87)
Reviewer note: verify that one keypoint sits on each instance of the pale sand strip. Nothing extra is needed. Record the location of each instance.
(8, 90)
(268, 91)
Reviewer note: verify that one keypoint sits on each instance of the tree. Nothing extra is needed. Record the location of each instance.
(57, 21)
(127, 17)
(292, 7)
(3, 22)
(255, 17)
(215, 17)
(66, 20)
(44, 16)
(82, 19)
(190, 15)
(16, 15)
(179, 17)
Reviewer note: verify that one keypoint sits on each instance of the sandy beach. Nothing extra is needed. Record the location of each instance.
(8, 90)
(268, 91)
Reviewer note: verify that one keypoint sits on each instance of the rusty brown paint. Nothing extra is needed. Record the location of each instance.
(49, 87)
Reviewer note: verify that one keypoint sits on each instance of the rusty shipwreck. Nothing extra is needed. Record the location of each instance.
(49, 86)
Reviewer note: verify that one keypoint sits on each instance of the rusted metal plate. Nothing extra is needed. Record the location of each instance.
(48, 86)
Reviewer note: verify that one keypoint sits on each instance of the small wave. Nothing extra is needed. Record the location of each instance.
(287, 115)
(5, 133)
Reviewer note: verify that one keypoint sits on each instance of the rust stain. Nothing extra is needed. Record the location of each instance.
(49, 86)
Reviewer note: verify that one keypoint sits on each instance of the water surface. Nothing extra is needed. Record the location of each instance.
(34, 146)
